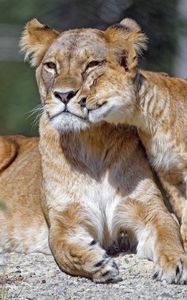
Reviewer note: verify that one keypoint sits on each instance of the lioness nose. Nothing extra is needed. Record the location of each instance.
(64, 97)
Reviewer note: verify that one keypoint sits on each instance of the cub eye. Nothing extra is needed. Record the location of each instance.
(50, 65)
(95, 63)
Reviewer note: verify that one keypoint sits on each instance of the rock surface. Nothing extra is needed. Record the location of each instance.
(37, 277)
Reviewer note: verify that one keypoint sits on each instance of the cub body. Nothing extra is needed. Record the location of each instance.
(157, 105)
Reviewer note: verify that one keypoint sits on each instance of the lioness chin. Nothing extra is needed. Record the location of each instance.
(96, 182)
(153, 102)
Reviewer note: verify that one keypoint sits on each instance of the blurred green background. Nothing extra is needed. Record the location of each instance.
(161, 20)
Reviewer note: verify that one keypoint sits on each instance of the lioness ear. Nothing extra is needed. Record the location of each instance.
(128, 39)
(35, 41)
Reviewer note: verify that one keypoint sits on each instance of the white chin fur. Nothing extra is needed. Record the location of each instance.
(100, 114)
(67, 122)
(107, 112)
(111, 112)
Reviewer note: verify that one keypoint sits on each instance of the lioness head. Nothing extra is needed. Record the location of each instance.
(65, 60)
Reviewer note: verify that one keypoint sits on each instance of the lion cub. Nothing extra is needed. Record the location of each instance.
(155, 103)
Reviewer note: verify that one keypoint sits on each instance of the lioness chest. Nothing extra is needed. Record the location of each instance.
(98, 199)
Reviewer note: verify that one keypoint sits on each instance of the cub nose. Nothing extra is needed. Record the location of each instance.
(82, 102)
(64, 97)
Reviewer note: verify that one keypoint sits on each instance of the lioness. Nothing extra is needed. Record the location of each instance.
(95, 179)
(153, 102)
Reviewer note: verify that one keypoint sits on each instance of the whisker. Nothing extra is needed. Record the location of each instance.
(38, 108)
(35, 114)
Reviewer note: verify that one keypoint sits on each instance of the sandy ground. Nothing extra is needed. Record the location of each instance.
(36, 276)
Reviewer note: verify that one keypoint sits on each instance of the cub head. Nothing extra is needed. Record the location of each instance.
(111, 96)
(64, 61)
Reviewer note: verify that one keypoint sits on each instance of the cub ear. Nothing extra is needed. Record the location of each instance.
(128, 39)
(36, 39)
(127, 31)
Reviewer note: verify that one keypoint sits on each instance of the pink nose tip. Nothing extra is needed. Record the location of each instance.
(64, 97)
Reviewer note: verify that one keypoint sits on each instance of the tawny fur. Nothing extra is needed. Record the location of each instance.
(157, 105)
(96, 182)
(23, 227)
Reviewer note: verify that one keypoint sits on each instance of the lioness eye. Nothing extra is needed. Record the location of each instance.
(51, 65)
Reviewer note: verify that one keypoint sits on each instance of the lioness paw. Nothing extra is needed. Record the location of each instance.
(106, 271)
(183, 231)
(183, 279)
(100, 267)
(171, 269)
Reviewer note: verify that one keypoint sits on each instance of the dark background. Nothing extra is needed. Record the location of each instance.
(161, 20)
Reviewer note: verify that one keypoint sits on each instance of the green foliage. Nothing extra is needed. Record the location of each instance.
(18, 96)
(20, 11)
(161, 23)
(3, 205)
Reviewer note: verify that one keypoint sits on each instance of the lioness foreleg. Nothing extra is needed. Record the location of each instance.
(76, 250)
(158, 237)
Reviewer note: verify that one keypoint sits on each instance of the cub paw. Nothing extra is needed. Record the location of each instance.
(171, 269)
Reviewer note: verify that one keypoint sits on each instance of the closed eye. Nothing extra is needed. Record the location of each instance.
(95, 63)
